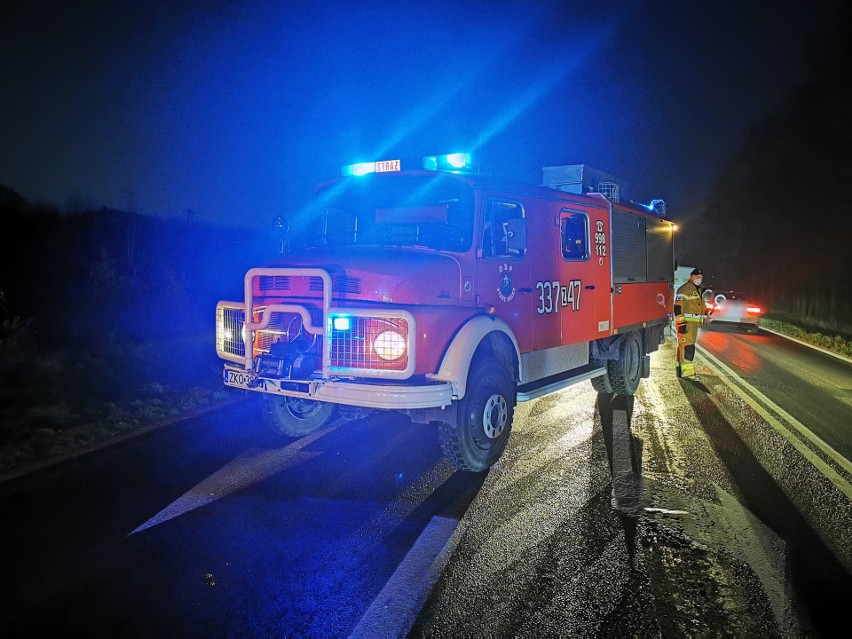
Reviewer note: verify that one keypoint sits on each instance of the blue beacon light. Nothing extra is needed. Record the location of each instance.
(449, 162)
(359, 168)
(341, 323)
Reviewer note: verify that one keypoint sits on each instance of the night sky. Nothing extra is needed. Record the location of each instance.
(235, 110)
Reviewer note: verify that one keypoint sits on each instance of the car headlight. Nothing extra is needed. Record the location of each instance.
(389, 345)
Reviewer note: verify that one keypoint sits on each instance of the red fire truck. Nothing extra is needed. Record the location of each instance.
(451, 296)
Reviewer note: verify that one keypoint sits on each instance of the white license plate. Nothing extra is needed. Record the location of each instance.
(238, 378)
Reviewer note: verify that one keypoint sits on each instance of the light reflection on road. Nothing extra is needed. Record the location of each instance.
(734, 349)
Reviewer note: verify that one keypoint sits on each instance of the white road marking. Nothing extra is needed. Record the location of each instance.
(394, 610)
(249, 468)
(667, 511)
(830, 473)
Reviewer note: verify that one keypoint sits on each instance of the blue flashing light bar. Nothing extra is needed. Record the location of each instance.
(456, 162)
(453, 162)
(363, 168)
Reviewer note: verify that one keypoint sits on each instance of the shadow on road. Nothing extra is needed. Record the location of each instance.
(624, 453)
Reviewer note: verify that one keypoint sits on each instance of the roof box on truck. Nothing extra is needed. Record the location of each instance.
(579, 178)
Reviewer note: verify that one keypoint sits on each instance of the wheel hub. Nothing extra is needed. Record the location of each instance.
(494, 416)
(302, 408)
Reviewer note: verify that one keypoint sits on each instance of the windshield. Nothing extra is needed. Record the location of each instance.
(433, 211)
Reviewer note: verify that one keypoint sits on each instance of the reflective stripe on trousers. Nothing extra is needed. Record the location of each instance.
(687, 369)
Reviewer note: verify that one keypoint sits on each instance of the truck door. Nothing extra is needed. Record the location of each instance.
(545, 302)
(503, 266)
(602, 266)
(584, 280)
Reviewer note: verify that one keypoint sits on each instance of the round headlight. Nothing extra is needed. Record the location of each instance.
(389, 345)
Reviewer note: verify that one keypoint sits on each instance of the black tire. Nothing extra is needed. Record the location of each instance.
(602, 384)
(485, 414)
(625, 372)
(296, 417)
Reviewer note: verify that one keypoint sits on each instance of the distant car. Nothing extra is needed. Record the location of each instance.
(733, 309)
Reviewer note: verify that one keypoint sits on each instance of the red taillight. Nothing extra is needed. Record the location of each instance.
(754, 310)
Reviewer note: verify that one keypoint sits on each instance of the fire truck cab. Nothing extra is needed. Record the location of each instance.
(451, 296)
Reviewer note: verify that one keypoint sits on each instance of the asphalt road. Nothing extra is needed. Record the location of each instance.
(812, 386)
(212, 528)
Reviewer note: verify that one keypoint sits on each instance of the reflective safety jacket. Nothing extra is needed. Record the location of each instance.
(689, 305)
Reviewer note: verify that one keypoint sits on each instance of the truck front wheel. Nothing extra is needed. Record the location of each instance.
(479, 436)
(296, 417)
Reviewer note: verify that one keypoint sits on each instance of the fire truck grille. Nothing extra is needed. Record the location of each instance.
(358, 346)
(339, 284)
(230, 331)
(274, 283)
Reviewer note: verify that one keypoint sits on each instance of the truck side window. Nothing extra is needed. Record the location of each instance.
(575, 236)
(505, 234)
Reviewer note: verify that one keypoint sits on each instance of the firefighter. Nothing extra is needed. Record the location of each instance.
(689, 311)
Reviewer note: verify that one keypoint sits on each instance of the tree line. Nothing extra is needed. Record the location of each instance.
(98, 277)
(778, 224)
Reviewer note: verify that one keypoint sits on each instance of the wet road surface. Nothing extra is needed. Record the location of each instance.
(812, 386)
(214, 529)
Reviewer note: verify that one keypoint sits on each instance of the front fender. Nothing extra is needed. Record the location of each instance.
(456, 362)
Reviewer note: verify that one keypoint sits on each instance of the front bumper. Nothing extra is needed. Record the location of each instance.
(386, 395)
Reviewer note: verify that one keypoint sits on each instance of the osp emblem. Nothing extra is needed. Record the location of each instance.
(507, 290)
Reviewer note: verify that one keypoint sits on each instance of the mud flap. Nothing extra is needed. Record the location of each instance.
(429, 415)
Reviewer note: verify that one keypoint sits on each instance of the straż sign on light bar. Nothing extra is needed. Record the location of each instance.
(387, 165)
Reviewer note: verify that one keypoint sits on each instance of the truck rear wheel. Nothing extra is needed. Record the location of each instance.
(294, 416)
(479, 436)
(602, 384)
(625, 372)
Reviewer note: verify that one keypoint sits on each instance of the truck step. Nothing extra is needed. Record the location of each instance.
(547, 385)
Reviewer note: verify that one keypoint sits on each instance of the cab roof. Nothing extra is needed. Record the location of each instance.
(476, 181)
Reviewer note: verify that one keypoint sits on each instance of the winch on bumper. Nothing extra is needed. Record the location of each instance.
(344, 391)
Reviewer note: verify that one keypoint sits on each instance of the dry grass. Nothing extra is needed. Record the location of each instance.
(53, 403)
(836, 344)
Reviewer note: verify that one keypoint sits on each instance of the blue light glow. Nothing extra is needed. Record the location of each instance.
(458, 160)
(449, 162)
(341, 323)
(359, 168)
